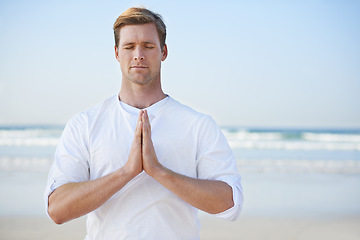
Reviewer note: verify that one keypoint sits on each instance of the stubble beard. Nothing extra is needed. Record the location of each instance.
(143, 79)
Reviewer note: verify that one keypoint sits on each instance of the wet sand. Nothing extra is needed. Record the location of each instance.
(247, 228)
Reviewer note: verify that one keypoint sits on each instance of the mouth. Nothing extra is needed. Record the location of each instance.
(138, 67)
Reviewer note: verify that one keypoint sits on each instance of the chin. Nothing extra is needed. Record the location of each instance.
(141, 82)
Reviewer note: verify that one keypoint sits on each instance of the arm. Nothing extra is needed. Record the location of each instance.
(207, 195)
(210, 196)
(73, 200)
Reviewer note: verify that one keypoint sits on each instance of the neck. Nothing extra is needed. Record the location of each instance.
(140, 96)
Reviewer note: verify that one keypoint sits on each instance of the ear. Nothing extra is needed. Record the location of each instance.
(117, 53)
(164, 53)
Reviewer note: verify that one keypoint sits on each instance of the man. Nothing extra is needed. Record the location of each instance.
(140, 164)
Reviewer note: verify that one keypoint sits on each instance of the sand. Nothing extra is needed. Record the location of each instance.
(258, 228)
(247, 228)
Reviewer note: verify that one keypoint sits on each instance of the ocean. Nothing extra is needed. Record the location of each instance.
(285, 172)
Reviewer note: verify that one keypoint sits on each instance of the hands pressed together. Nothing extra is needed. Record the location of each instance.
(75, 199)
(142, 153)
(208, 195)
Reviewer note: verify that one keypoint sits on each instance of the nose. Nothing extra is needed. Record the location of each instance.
(138, 54)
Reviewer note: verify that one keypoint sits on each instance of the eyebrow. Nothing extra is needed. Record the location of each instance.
(132, 43)
(128, 43)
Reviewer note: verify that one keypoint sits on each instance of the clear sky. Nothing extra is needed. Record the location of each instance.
(246, 63)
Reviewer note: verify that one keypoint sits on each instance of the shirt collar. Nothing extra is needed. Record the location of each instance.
(152, 110)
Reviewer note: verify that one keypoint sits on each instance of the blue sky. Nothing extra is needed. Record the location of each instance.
(246, 63)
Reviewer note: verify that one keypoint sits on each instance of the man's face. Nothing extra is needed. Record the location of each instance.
(139, 53)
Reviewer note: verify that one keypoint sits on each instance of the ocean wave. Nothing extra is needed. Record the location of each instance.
(296, 145)
(30, 137)
(299, 166)
(328, 137)
(348, 140)
(244, 135)
(25, 164)
(36, 141)
(293, 139)
(30, 132)
(293, 135)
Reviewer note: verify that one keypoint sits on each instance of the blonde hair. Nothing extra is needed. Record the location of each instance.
(137, 16)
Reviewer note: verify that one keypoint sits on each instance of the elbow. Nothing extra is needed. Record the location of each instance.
(55, 210)
(230, 204)
(57, 221)
(231, 213)
(224, 207)
(221, 206)
(223, 202)
(56, 214)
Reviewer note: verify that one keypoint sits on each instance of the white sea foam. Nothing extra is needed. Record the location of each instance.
(30, 137)
(296, 145)
(299, 166)
(292, 140)
(240, 138)
(25, 164)
(244, 135)
(328, 137)
(10, 133)
(32, 141)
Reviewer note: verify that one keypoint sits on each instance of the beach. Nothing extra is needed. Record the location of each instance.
(297, 185)
(247, 228)
(306, 206)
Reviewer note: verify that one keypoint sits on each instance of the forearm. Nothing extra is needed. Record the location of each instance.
(73, 200)
(211, 196)
(207, 195)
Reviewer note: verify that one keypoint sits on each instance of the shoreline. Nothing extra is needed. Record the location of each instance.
(246, 227)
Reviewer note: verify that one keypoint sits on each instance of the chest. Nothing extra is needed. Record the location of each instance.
(110, 144)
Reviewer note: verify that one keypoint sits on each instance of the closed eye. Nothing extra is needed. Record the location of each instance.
(149, 45)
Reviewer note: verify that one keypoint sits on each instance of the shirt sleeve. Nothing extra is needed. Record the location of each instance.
(71, 157)
(216, 161)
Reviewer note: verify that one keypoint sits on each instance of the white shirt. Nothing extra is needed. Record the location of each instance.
(97, 142)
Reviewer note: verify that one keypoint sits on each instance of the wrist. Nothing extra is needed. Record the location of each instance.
(159, 172)
(126, 173)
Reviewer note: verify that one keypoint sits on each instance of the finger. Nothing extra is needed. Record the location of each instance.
(139, 120)
(141, 112)
(146, 125)
(146, 117)
(139, 125)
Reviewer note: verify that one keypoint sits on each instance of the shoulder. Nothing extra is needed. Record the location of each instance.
(89, 116)
(189, 112)
(190, 115)
(180, 108)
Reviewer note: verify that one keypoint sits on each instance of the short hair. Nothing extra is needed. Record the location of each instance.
(137, 16)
